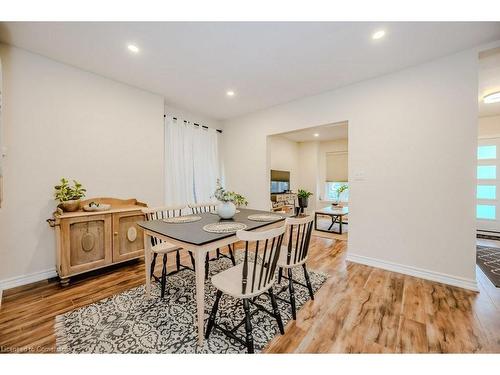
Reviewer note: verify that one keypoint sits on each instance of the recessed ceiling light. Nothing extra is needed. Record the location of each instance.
(492, 98)
(230, 93)
(133, 48)
(316, 134)
(378, 34)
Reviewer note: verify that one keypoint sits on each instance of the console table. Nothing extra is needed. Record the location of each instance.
(86, 241)
(283, 202)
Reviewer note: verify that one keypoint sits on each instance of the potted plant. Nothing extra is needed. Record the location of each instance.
(339, 191)
(69, 196)
(303, 198)
(228, 201)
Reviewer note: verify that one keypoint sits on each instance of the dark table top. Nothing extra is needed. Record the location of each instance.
(194, 234)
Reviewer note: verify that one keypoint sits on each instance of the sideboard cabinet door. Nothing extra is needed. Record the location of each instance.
(86, 243)
(128, 237)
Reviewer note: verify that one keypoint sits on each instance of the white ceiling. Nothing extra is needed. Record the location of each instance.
(193, 64)
(330, 132)
(489, 81)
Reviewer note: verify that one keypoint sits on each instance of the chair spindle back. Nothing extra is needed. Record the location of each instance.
(258, 274)
(160, 213)
(298, 238)
(201, 208)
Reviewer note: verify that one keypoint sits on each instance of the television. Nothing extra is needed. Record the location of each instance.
(280, 181)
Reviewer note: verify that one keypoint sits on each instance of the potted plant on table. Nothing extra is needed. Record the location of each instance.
(339, 191)
(303, 198)
(69, 196)
(228, 201)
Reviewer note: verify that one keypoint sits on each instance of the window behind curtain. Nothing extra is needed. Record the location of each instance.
(336, 175)
(192, 162)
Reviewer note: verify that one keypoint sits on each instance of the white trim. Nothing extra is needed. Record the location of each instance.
(460, 282)
(27, 279)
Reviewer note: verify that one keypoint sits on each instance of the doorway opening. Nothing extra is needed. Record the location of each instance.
(312, 160)
(488, 166)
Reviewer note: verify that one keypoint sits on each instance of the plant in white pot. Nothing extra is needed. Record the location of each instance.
(69, 196)
(228, 201)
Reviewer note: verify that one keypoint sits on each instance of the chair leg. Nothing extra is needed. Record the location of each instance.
(211, 319)
(218, 253)
(276, 311)
(192, 260)
(248, 326)
(308, 282)
(153, 264)
(178, 260)
(292, 294)
(280, 275)
(164, 276)
(231, 254)
(207, 259)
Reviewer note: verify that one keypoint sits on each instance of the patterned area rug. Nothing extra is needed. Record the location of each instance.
(130, 323)
(488, 259)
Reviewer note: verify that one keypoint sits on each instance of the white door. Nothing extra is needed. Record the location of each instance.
(488, 170)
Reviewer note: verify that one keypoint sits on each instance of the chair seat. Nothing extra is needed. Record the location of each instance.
(164, 248)
(283, 255)
(230, 280)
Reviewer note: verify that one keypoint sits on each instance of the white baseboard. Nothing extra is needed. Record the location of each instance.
(27, 279)
(414, 271)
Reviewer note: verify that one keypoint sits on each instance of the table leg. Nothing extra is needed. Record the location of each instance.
(315, 221)
(334, 219)
(147, 260)
(200, 293)
(340, 225)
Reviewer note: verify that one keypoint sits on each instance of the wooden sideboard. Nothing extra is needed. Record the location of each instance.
(86, 241)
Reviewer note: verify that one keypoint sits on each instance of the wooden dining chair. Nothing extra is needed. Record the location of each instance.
(294, 254)
(207, 208)
(161, 247)
(248, 280)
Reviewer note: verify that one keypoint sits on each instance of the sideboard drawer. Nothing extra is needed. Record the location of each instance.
(86, 243)
(128, 237)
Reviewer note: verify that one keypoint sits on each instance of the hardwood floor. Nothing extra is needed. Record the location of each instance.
(358, 309)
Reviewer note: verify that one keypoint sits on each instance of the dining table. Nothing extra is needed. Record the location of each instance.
(192, 237)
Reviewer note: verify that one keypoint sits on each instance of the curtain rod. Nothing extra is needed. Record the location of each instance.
(195, 124)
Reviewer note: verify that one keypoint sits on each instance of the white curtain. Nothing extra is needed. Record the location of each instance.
(192, 162)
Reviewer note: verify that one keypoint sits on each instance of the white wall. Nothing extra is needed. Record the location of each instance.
(412, 139)
(61, 121)
(489, 127)
(309, 171)
(284, 156)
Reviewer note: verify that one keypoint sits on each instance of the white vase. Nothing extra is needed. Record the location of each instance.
(226, 210)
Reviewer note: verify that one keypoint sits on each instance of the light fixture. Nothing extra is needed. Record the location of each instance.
(494, 97)
(133, 48)
(230, 93)
(378, 34)
(316, 134)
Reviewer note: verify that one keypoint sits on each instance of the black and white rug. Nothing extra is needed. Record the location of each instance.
(130, 323)
(488, 259)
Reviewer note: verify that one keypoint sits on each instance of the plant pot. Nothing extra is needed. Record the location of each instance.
(226, 210)
(70, 206)
(303, 202)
